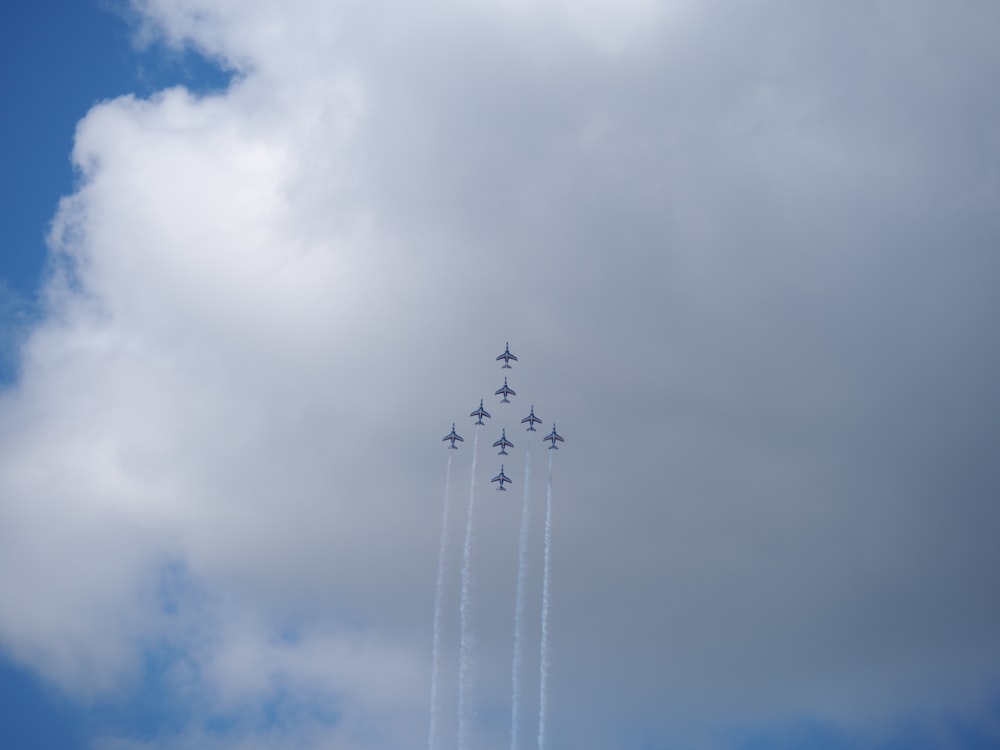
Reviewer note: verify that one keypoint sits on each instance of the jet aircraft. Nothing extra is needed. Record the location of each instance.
(503, 443)
(453, 436)
(531, 419)
(554, 436)
(506, 391)
(506, 357)
(501, 477)
(480, 412)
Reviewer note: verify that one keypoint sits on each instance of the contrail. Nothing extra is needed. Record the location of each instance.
(543, 676)
(522, 569)
(438, 600)
(465, 641)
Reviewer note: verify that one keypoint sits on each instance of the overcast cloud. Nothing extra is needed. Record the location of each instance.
(747, 254)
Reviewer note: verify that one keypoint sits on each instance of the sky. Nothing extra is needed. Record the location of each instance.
(258, 257)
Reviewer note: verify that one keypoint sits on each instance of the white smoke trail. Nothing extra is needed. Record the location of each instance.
(438, 601)
(522, 569)
(465, 640)
(543, 676)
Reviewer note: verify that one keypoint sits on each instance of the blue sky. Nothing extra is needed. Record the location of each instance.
(59, 59)
(746, 256)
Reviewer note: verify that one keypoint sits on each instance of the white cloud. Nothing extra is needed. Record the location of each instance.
(753, 294)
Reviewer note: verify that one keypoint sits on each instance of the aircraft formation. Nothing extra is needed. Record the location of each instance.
(506, 449)
(480, 413)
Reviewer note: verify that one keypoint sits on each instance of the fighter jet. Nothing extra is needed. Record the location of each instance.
(480, 412)
(506, 391)
(453, 436)
(506, 357)
(531, 419)
(503, 443)
(501, 477)
(554, 436)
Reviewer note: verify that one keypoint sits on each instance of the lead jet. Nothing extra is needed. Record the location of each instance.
(501, 477)
(531, 419)
(506, 357)
(480, 412)
(453, 436)
(503, 443)
(554, 436)
(506, 391)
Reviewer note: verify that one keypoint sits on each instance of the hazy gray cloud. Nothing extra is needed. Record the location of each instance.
(747, 255)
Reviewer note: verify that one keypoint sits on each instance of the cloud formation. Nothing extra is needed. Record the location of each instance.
(747, 257)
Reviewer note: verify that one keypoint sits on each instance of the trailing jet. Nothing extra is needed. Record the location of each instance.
(453, 436)
(501, 477)
(531, 419)
(506, 357)
(506, 391)
(554, 436)
(503, 443)
(480, 412)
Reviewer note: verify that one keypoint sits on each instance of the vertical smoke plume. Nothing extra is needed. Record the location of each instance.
(465, 640)
(543, 676)
(522, 568)
(438, 601)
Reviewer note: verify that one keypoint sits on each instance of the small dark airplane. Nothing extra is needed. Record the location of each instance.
(480, 412)
(503, 443)
(501, 477)
(506, 391)
(531, 419)
(506, 357)
(453, 436)
(554, 436)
